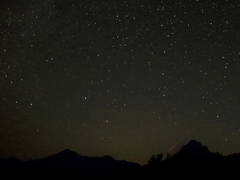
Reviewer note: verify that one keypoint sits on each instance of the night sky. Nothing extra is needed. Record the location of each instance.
(126, 78)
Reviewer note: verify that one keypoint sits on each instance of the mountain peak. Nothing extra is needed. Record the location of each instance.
(196, 148)
(67, 151)
(66, 154)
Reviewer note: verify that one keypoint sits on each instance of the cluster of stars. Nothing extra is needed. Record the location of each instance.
(108, 70)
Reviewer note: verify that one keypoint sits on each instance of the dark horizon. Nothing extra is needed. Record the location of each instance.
(193, 158)
(164, 155)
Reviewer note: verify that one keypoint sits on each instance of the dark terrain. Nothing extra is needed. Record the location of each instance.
(192, 161)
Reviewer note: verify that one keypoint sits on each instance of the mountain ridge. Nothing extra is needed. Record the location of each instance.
(68, 160)
(193, 156)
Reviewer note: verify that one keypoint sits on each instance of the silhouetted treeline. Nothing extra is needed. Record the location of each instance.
(193, 161)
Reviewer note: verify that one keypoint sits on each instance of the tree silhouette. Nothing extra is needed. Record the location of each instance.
(169, 155)
(155, 159)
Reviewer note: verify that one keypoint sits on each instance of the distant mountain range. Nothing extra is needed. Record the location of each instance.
(69, 161)
(192, 157)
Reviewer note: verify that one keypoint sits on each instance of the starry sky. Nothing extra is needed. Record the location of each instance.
(127, 78)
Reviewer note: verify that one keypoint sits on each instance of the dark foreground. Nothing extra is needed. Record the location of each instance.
(193, 161)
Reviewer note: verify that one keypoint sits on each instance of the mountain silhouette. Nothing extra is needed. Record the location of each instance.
(69, 161)
(196, 148)
(192, 151)
(192, 158)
